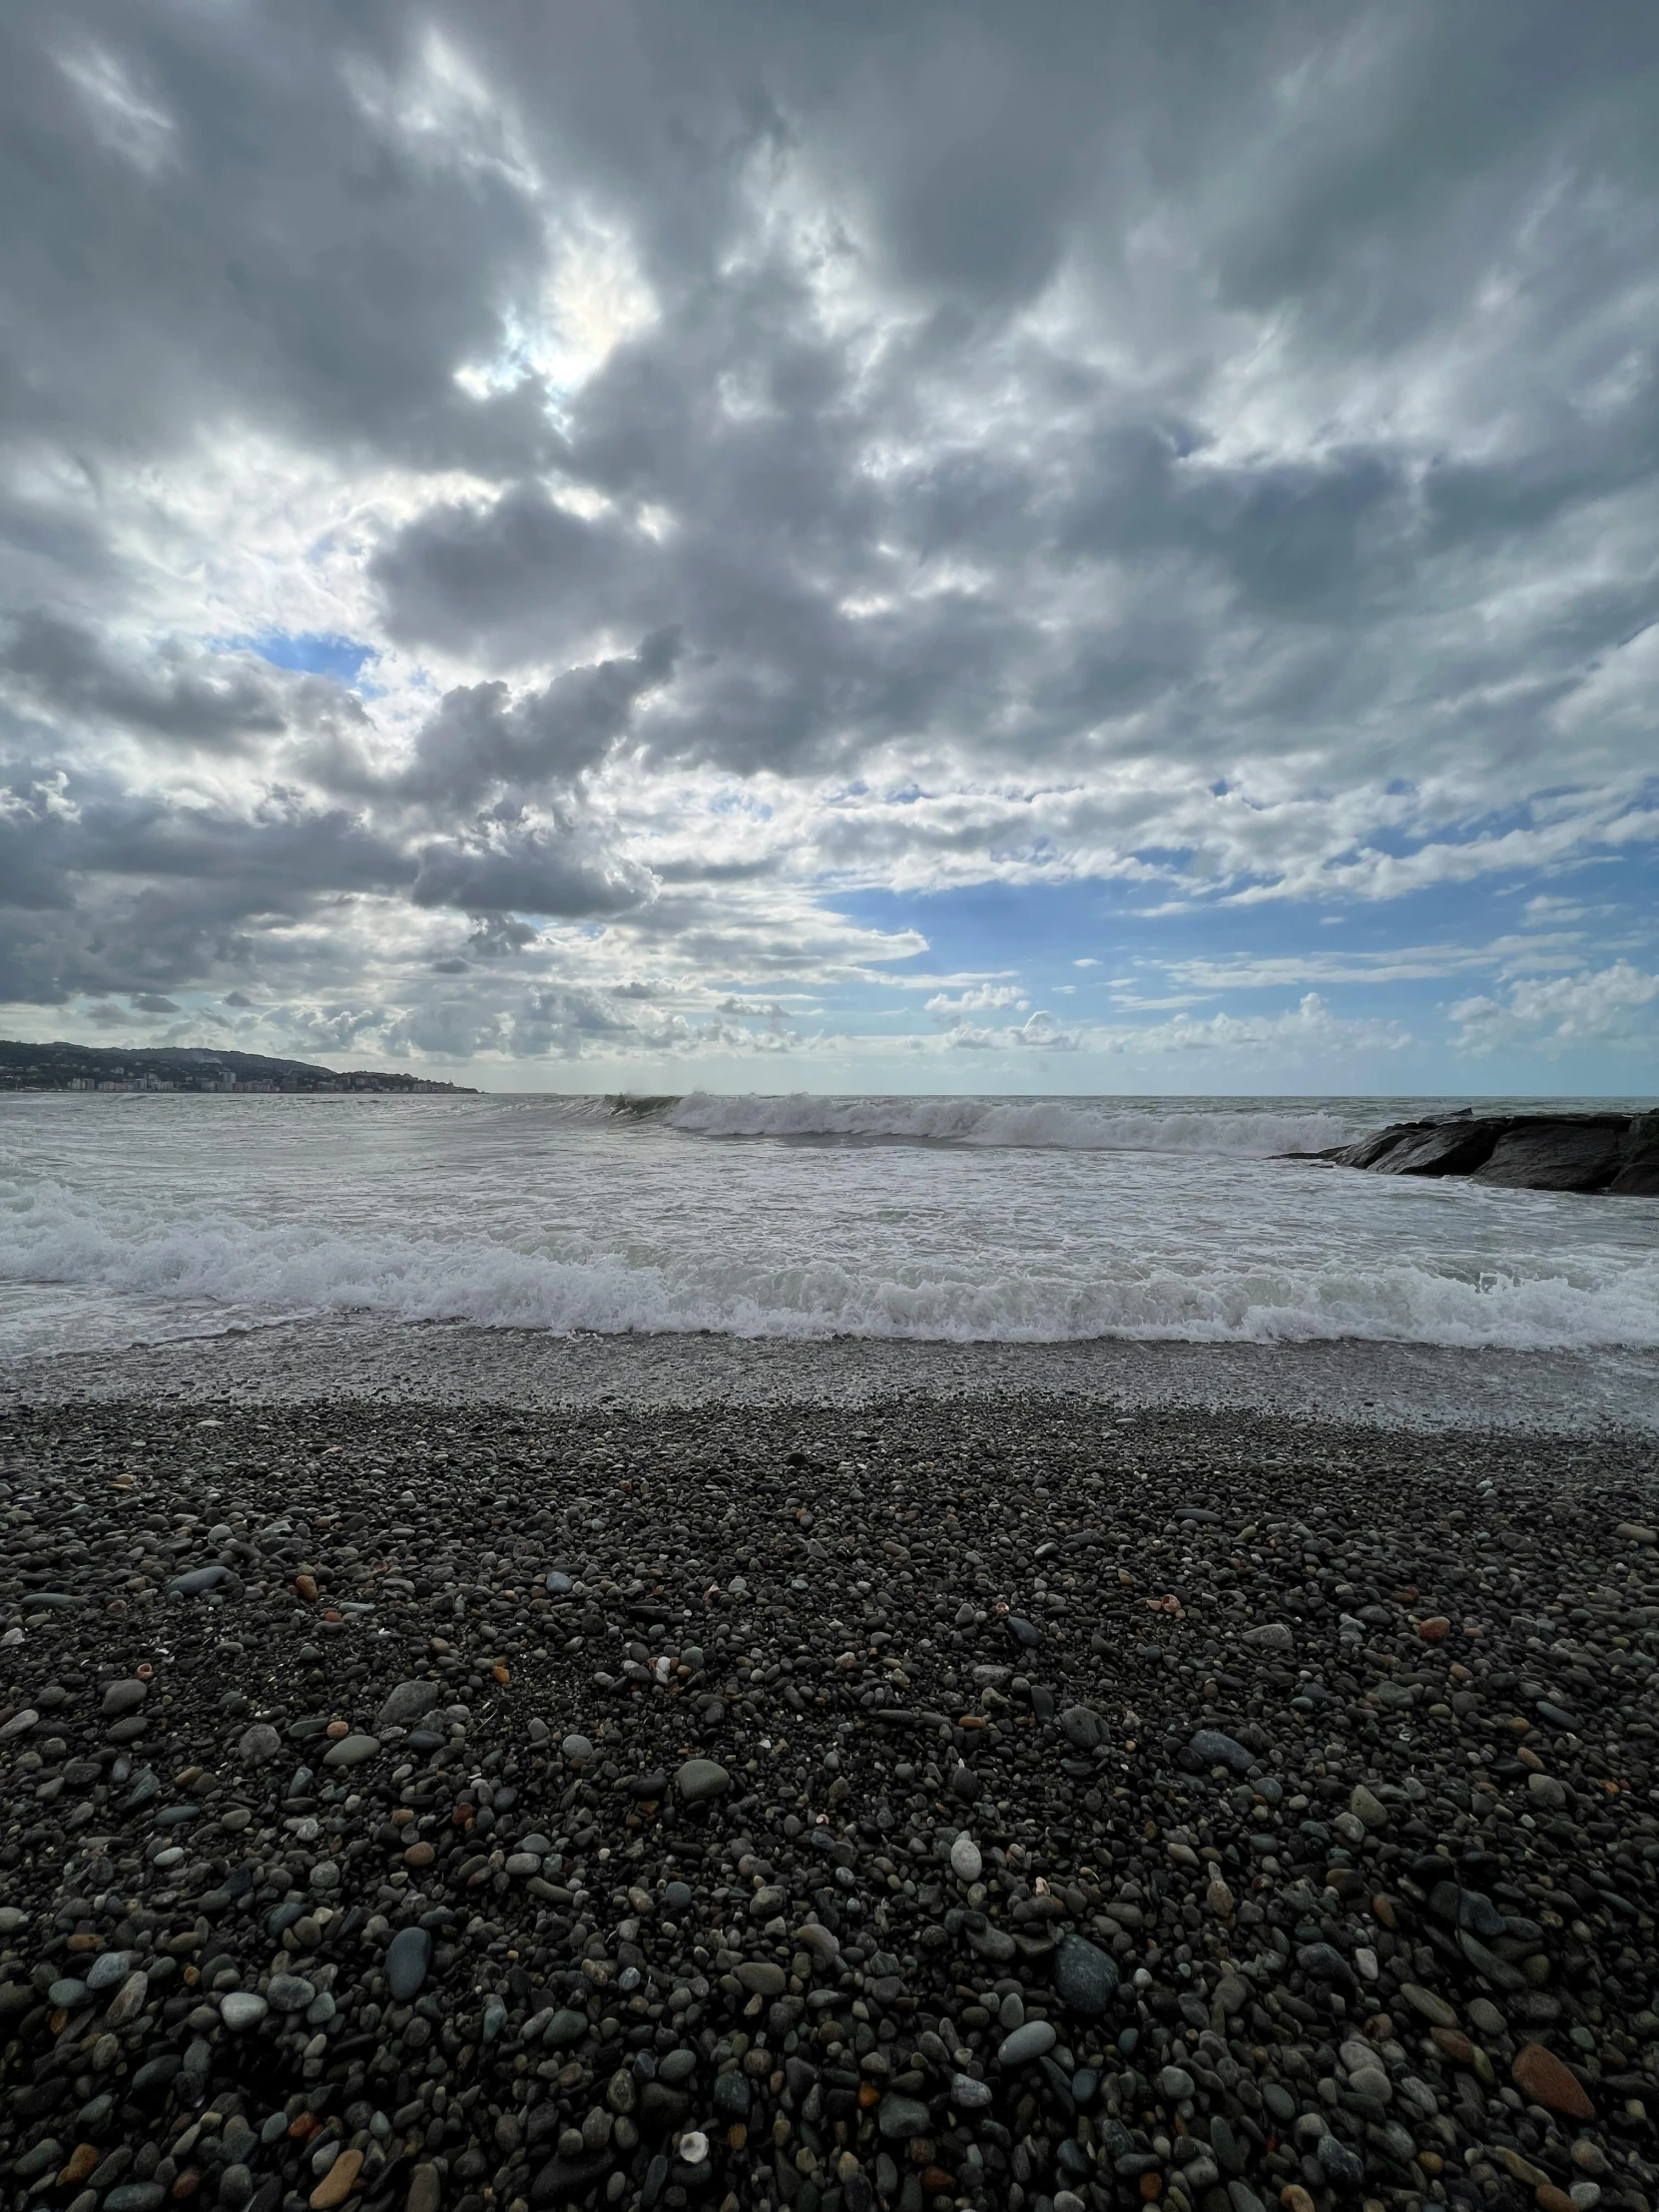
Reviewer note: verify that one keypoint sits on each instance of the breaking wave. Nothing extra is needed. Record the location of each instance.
(1066, 1124)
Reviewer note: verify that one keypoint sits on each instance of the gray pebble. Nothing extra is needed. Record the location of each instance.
(409, 1956)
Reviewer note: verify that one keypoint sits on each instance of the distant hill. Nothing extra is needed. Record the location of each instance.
(81, 1067)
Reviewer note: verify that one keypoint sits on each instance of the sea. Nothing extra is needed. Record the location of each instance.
(134, 1219)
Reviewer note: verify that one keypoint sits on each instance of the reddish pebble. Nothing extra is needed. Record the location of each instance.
(1537, 2074)
(1435, 1631)
(338, 2182)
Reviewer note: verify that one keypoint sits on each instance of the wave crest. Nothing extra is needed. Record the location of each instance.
(1073, 1125)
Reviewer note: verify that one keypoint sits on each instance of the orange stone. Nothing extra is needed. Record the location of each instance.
(420, 1855)
(185, 2186)
(1550, 2199)
(337, 1729)
(1434, 1630)
(1537, 2074)
(1432, 2162)
(736, 2135)
(303, 2127)
(82, 2159)
(869, 2094)
(937, 2182)
(1458, 2048)
(1152, 2186)
(338, 2182)
(305, 1585)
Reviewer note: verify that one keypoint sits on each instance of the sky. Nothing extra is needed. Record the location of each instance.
(955, 547)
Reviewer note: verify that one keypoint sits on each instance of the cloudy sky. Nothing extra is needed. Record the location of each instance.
(1067, 547)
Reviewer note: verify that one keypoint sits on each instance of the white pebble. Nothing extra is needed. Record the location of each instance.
(965, 1863)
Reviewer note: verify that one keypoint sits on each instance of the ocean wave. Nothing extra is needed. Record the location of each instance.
(295, 1269)
(1073, 1125)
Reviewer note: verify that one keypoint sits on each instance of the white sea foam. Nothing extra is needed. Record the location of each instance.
(1067, 1124)
(218, 1261)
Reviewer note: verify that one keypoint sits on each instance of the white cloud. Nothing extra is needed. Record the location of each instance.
(984, 998)
(1615, 1005)
(1310, 1029)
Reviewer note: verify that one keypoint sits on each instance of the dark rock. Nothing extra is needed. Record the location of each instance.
(1612, 1152)
(1556, 1156)
(1085, 1976)
(1210, 1748)
(409, 1702)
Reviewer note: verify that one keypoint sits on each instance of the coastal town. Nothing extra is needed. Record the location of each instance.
(74, 1067)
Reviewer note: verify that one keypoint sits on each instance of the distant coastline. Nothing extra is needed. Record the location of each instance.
(81, 1067)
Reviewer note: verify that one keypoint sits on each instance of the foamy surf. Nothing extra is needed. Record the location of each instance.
(214, 1261)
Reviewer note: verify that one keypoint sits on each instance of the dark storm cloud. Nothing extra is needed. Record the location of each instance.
(484, 741)
(481, 738)
(557, 872)
(205, 217)
(1262, 393)
(178, 694)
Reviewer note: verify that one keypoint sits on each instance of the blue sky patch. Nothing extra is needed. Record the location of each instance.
(311, 653)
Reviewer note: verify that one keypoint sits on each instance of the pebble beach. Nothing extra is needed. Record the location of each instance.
(1011, 1800)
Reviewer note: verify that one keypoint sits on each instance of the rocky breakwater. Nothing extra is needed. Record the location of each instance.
(1613, 1153)
(1006, 1806)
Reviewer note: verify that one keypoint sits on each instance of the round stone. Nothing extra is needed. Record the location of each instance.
(701, 1779)
(1085, 1977)
(901, 2119)
(967, 1864)
(241, 2009)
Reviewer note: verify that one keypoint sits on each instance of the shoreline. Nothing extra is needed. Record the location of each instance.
(1362, 1382)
